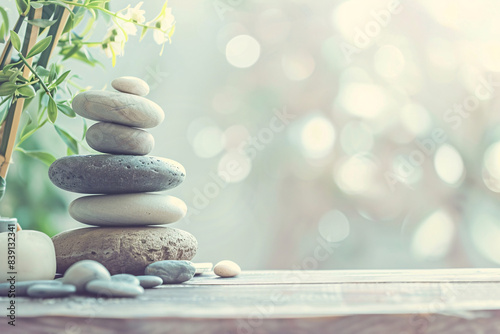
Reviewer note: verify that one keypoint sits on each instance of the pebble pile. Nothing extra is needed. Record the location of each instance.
(124, 183)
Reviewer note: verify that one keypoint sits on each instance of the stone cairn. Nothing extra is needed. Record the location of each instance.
(125, 182)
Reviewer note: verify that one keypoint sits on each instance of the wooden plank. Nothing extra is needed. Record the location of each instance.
(246, 305)
(356, 276)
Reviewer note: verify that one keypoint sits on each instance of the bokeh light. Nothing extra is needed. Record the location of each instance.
(242, 51)
(334, 226)
(433, 237)
(298, 65)
(449, 164)
(389, 61)
(317, 136)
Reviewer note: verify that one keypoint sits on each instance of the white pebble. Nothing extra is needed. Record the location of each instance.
(227, 269)
(82, 272)
(131, 85)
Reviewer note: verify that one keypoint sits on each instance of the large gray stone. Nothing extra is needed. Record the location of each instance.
(123, 250)
(115, 174)
(128, 209)
(119, 139)
(118, 108)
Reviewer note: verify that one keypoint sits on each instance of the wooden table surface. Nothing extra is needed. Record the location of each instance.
(374, 301)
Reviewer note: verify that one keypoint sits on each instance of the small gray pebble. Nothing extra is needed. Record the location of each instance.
(113, 289)
(150, 281)
(51, 291)
(22, 287)
(126, 278)
(172, 271)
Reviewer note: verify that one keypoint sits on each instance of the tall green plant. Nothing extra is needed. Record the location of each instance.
(29, 75)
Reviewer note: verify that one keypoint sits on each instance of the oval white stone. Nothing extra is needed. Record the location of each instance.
(131, 85)
(227, 269)
(82, 272)
(118, 108)
(119, 139)
(35, 256)
(128, 209)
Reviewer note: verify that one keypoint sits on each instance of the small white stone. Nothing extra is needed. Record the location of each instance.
(227, 269)
(35, 257)
(131, 85)
(82, 272)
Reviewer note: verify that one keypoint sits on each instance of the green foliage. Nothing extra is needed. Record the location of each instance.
(47, 87)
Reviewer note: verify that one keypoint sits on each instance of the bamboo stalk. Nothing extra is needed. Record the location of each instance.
(17, 107)
(5, 58)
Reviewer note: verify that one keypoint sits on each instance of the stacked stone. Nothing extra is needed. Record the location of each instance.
(125, 182)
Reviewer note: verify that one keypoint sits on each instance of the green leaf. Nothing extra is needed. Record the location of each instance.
(42, 71)
(4, 27)
(15, 40)
(7, 88)
(53, 72)
(44, 157)
(52, 110)
(71, 142)
(36, 5)
(143, 33)
(72, 51)
(66, 110)
(27, 91)
(41, 22)
(85, 128)
(23, 7)
(39, 47)
(61, 78)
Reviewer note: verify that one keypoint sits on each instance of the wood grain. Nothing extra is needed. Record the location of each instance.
(469, 303)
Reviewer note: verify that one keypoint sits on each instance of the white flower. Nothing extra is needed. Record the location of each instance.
(136, 15)
(116, 43)
(165, 24)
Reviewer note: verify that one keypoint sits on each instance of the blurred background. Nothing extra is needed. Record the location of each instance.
(315, 134)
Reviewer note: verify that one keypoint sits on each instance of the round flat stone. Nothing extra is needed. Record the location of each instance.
(119, 139)
(126, 278)
(131, 85)
(82, 272)
(114, 289)
(127, 209)
(118, 108)
(21, 288)
(171, 272)
(115, 174)
(149, 281)
(123, 249)
(51, 291)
